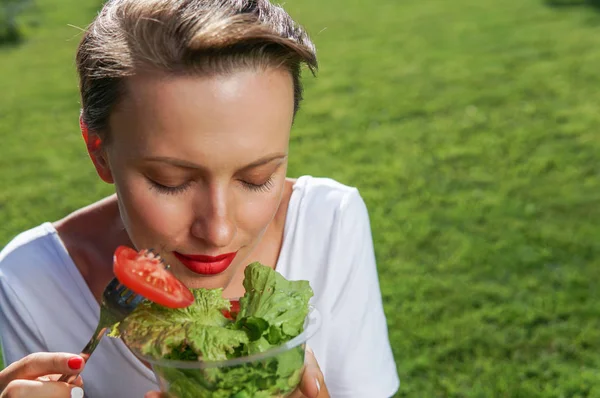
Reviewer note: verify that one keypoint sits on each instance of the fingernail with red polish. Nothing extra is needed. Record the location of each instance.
(75, 363)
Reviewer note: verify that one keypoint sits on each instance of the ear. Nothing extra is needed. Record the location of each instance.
(97, 153)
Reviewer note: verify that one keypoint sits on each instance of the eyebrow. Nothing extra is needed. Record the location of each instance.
(190, 165)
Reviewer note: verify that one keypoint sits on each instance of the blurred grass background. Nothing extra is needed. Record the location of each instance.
(471, 129)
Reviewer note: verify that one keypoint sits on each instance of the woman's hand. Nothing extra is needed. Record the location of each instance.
(36, 375)
(312, 384)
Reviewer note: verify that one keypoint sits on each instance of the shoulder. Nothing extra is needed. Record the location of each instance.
(29, 251)
(327, 222)
(325, 199)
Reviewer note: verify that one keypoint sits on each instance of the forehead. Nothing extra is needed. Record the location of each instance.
(244, 109)
(220, 93)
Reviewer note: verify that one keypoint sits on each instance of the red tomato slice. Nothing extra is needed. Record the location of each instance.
(146, 275)
(234, 310)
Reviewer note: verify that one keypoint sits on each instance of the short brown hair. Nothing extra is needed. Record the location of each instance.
(183, 37)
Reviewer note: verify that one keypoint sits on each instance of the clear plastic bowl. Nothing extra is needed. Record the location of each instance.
(273, 373)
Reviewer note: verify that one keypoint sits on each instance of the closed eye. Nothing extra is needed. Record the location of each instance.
(264, 187)
(169, 190)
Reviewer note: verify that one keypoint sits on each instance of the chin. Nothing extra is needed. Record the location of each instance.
(195, 281)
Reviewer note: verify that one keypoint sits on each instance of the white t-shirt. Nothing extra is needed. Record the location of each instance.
(45, 304)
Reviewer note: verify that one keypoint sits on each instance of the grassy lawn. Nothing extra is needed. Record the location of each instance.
(471, 129)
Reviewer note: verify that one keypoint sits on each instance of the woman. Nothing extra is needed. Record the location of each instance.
(187, 108)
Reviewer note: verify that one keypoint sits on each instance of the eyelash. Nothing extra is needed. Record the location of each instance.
(264, 187)
(169, 190)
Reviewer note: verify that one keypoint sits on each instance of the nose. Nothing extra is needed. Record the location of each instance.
(213, 222)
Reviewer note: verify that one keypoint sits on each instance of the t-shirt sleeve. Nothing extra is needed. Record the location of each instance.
(19, 335)
(361, 361)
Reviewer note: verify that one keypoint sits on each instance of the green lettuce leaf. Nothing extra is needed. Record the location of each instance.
(273, 309)
(272, 377)
(184, 333)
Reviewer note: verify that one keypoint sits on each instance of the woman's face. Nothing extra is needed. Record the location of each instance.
(199, 165)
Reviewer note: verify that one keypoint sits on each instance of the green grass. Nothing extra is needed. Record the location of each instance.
(471, 129)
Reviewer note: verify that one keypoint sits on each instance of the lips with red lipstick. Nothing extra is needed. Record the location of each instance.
(206, 265)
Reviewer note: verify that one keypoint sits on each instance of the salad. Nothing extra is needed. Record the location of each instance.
(209, 329)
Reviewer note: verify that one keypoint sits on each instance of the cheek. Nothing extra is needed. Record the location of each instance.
(253, 216)
(151, 218)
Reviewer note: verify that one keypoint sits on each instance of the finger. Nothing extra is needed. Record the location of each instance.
(36, 388)
(312, 384)
(155, 394)
(42, 364)
(77, 382)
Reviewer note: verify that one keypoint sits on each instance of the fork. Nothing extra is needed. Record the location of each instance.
(117, 303)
